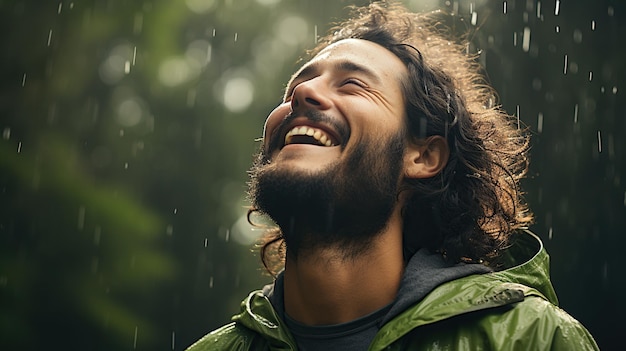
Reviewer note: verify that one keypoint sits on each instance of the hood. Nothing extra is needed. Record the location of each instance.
(525, 272)
(527, 262)
(424, 272)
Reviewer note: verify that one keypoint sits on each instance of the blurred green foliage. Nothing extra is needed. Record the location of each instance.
(127, 129)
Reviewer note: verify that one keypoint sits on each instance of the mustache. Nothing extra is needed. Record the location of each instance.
(312, 115)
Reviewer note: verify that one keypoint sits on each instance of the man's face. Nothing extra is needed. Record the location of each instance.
(332, 153)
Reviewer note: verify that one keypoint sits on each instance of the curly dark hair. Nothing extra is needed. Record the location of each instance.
(469, 210)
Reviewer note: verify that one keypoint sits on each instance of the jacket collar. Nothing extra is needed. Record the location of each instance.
(525, 273)
(258, 314)
(527, 262)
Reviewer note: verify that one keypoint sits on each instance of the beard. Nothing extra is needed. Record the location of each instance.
(344, 206)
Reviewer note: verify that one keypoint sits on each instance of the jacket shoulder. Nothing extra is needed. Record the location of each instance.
(541, 325)
(531, 324)
(527, 322)
(232, 336)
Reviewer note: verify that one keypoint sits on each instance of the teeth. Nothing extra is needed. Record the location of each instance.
(318, 134)
(324, 140)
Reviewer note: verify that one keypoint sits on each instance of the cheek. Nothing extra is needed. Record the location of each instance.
(273, 121)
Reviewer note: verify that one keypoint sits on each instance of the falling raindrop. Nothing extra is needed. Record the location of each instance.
(565, 65)
(517, 112)
(134, 54)
(550, 233)
(211, 282)
(515, 39)
(590, 75)
(614, 90)
(576, 113)
(24, 79)
(526, 39)
(236, 35)
(474, 17)
(127, 67)
(593, 25)
(175, 210)
(557, 29)
(206, 242)
(599, 142)
(227, 237)
(538, 9)
(557, 7)
(125, 165)
(60, 8)
(540, 122)
(6, 133)
(173, 339)
(610, 11)
(504, 8)
(19, 147)
(49, 37)
(135, 339)
(169, 230)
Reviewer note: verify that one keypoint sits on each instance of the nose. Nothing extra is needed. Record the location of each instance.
(310, 94)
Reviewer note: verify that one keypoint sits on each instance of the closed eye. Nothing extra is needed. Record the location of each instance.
(354, 82)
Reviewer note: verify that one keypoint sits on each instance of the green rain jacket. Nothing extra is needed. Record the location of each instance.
(511, 309)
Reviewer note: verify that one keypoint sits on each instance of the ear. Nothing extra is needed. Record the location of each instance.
(426, 157)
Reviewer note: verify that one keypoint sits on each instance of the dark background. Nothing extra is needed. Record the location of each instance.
(127, 128)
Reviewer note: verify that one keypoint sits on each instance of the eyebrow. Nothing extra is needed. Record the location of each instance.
(350, 66)
(345, 66)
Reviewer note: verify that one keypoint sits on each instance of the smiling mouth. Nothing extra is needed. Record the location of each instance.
(310, 136)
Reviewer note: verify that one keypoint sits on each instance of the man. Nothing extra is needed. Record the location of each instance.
(393, 182)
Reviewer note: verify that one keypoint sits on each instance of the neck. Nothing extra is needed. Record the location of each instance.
(324, 287)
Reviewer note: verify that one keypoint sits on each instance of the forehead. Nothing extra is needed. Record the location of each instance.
(358, 54)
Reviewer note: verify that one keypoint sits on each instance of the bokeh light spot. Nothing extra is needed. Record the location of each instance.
(292, 30)
(174, 71)
(200, 6)
(238, 94)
